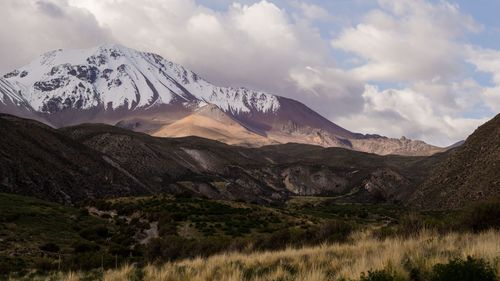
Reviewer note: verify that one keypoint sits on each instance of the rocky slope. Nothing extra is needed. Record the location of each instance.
(113, 84)
(471, 173)
(36, 160)
(92, 161)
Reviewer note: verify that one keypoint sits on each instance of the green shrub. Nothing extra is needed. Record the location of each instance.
(50, 247)
(410, 224)
(385, 232)
(44, 264)
(84, 247)
(465, 270)
(90, 260)
(11, 264)
(8, 217)
(482, 216)
(333, 231)
(380, 275)
(95, 233)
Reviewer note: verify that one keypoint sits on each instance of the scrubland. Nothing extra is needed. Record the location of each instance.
(400, 258)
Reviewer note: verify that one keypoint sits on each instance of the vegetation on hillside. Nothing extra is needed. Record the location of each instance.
(39, 237)
(426, 256)
(469, 174)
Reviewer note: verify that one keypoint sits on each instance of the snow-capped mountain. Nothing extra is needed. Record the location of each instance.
(145, 92)
(113, 76)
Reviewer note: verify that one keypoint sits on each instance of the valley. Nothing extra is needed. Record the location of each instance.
(108, 197)
(249, 140)
(97, 161)
(113, 158)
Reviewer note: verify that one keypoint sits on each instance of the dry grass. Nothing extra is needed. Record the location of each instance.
(325, 262)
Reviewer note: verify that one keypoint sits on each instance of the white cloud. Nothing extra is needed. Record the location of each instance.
(30, 27)
(331, 89)
(418, 47)
(311, 11)
(253, 43)
(485, 60)
(408, 113)
(414, 45)
(258, 45)
(488, 61)
(408, 40)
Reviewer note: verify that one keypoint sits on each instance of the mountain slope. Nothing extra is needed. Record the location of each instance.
(37, 160)
(113, 84)
(212, 123)
(65, 165)
(94, 160)
(470, 173)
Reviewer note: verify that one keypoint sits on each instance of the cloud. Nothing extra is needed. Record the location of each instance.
(417, 49)
(332, 89)
(259, 45)
(30, 27)
(414, 48)
(50, 8)
(406, 112)
(311, 11)
(408, 40)
(487, 61)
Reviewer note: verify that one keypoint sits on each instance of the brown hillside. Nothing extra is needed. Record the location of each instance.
(471, 173)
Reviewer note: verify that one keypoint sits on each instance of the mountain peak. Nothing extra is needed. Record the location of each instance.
(112, 76)
(114, 84)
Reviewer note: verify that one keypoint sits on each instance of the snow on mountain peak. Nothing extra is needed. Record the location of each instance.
(112, 76)
(9, 94)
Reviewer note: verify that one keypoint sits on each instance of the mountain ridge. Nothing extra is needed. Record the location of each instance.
(72, 164)
(469, 174)
(113, 84)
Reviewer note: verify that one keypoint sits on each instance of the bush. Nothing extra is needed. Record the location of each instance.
(95, 233)
(333, 231)
(50, 247)
(7, 217)
(84, 247)
(11, 264)
(380, 275)
(90, 260)
(167, 248)
(483, 216)
(44, 264)
(385, 232)
(465, 270)
(410, 224)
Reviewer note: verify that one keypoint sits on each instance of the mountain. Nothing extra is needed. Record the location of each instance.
(211, 122)
(72, 164)
(113, 84)
(471, 172)
(36, 160)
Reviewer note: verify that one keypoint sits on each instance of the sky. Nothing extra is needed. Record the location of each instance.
(423, 69)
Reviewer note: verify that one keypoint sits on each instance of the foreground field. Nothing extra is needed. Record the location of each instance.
(403, 258)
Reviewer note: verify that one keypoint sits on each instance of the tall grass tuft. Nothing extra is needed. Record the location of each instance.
(406, 258)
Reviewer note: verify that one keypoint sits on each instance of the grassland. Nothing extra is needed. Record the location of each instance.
(184, 238)
(411, 258)
(43, 236)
